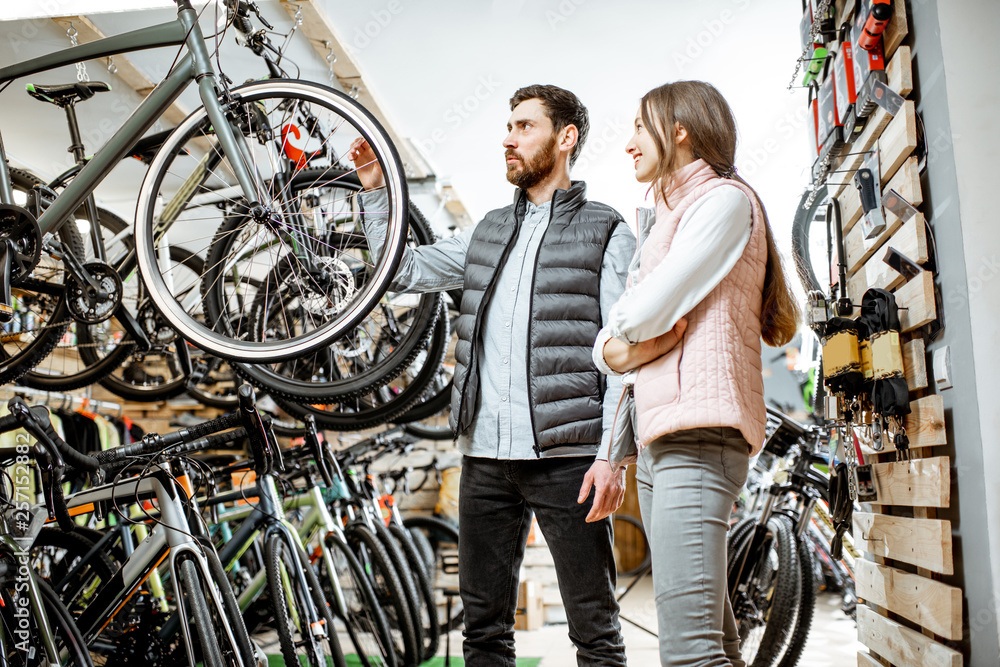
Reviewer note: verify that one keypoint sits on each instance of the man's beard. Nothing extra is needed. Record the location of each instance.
(533, 170)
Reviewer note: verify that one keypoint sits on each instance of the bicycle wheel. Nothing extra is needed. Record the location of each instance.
(197, 608)
(22, 643)
(813, 244)
(426, 551)
(767, 592)
(368, 355)
(324, 292)
(406, 579)
(361, 614)
(385, 581)
(632, 553)
(387, 402)
(41, 317)
(301, 625)
(443, 539)
(429, 622)
(807, 604)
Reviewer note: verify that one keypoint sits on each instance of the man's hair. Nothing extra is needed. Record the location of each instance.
(562, 107)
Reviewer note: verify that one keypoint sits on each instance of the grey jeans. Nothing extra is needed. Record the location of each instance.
(688, 482)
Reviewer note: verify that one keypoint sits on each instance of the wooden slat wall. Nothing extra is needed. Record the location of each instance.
(909, 614)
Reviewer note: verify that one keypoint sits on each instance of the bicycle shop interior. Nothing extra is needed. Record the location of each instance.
(227, 429)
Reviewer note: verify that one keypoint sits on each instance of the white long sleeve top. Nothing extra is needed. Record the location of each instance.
(710, 239)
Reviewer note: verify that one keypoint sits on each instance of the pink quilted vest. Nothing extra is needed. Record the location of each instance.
(713, 376)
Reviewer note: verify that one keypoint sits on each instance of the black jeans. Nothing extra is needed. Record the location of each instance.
(496, 502)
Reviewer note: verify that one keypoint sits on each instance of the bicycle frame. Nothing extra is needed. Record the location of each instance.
(172, 538)
(10, 547)
(196, 65)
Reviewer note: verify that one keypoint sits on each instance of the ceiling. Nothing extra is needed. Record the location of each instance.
(443, 72)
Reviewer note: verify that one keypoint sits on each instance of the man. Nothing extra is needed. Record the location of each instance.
(528, 406)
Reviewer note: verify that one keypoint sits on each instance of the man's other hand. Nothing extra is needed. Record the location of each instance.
(609, 490)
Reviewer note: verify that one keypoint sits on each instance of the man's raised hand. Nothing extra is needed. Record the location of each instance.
(366, 165)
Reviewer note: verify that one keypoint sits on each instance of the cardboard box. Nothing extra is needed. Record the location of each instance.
(530, 614)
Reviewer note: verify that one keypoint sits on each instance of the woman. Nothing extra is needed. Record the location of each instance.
(707, 283)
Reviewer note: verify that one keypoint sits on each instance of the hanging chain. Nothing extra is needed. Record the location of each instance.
(852, 461)
(81, 68)
(821, 10)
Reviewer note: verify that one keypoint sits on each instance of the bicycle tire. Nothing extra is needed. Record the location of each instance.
(443, 538)
(779, 600)
(393, 356)
(406, 578)
(251, 110)
(634, 525)
(430, 630)
(806, 606)
(425, 550)
(362, 616)
(387, 402)
(231, 607)
(336, 652)
(15, 364)
(388, 590)
(293, 634)
(197, 606)
(801, 246)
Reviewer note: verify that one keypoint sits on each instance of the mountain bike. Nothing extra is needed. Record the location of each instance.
(230, 158)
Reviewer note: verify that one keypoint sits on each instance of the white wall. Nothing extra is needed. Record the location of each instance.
(968, 29)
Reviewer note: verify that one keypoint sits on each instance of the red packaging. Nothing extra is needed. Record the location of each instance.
(844, 92)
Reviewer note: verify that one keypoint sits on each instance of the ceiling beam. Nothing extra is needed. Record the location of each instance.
(125, 69)
(319, 29)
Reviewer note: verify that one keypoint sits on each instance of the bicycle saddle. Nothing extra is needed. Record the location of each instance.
(68, 93)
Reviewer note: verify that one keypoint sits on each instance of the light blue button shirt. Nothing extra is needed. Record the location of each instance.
(501, 428)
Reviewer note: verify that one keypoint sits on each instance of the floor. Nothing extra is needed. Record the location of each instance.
(833, 641)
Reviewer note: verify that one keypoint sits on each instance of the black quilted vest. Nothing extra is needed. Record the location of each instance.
(565, 389)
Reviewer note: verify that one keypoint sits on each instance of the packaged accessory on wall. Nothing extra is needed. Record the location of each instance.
(844, 91)
(875, 22)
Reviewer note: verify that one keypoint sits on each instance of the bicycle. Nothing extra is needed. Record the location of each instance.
(235, 152)
(771, 551)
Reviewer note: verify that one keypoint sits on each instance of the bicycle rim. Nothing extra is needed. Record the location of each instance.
(197, 188)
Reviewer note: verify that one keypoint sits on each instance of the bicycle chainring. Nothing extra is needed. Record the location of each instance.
(85, 304)
(20, 227)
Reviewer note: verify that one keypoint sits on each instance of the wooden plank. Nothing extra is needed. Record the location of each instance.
(896, 30)
(907, 183)
(925, 543)
(925, 426)
(931, 604)
(126, 71)
(865, 660)
(901, 645)
(899, 77)
(915, 364)
(898, 141)
(917, 298)
(910, 240)
(919, 482)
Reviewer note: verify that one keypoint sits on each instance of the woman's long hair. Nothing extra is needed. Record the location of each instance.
(711, 129)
